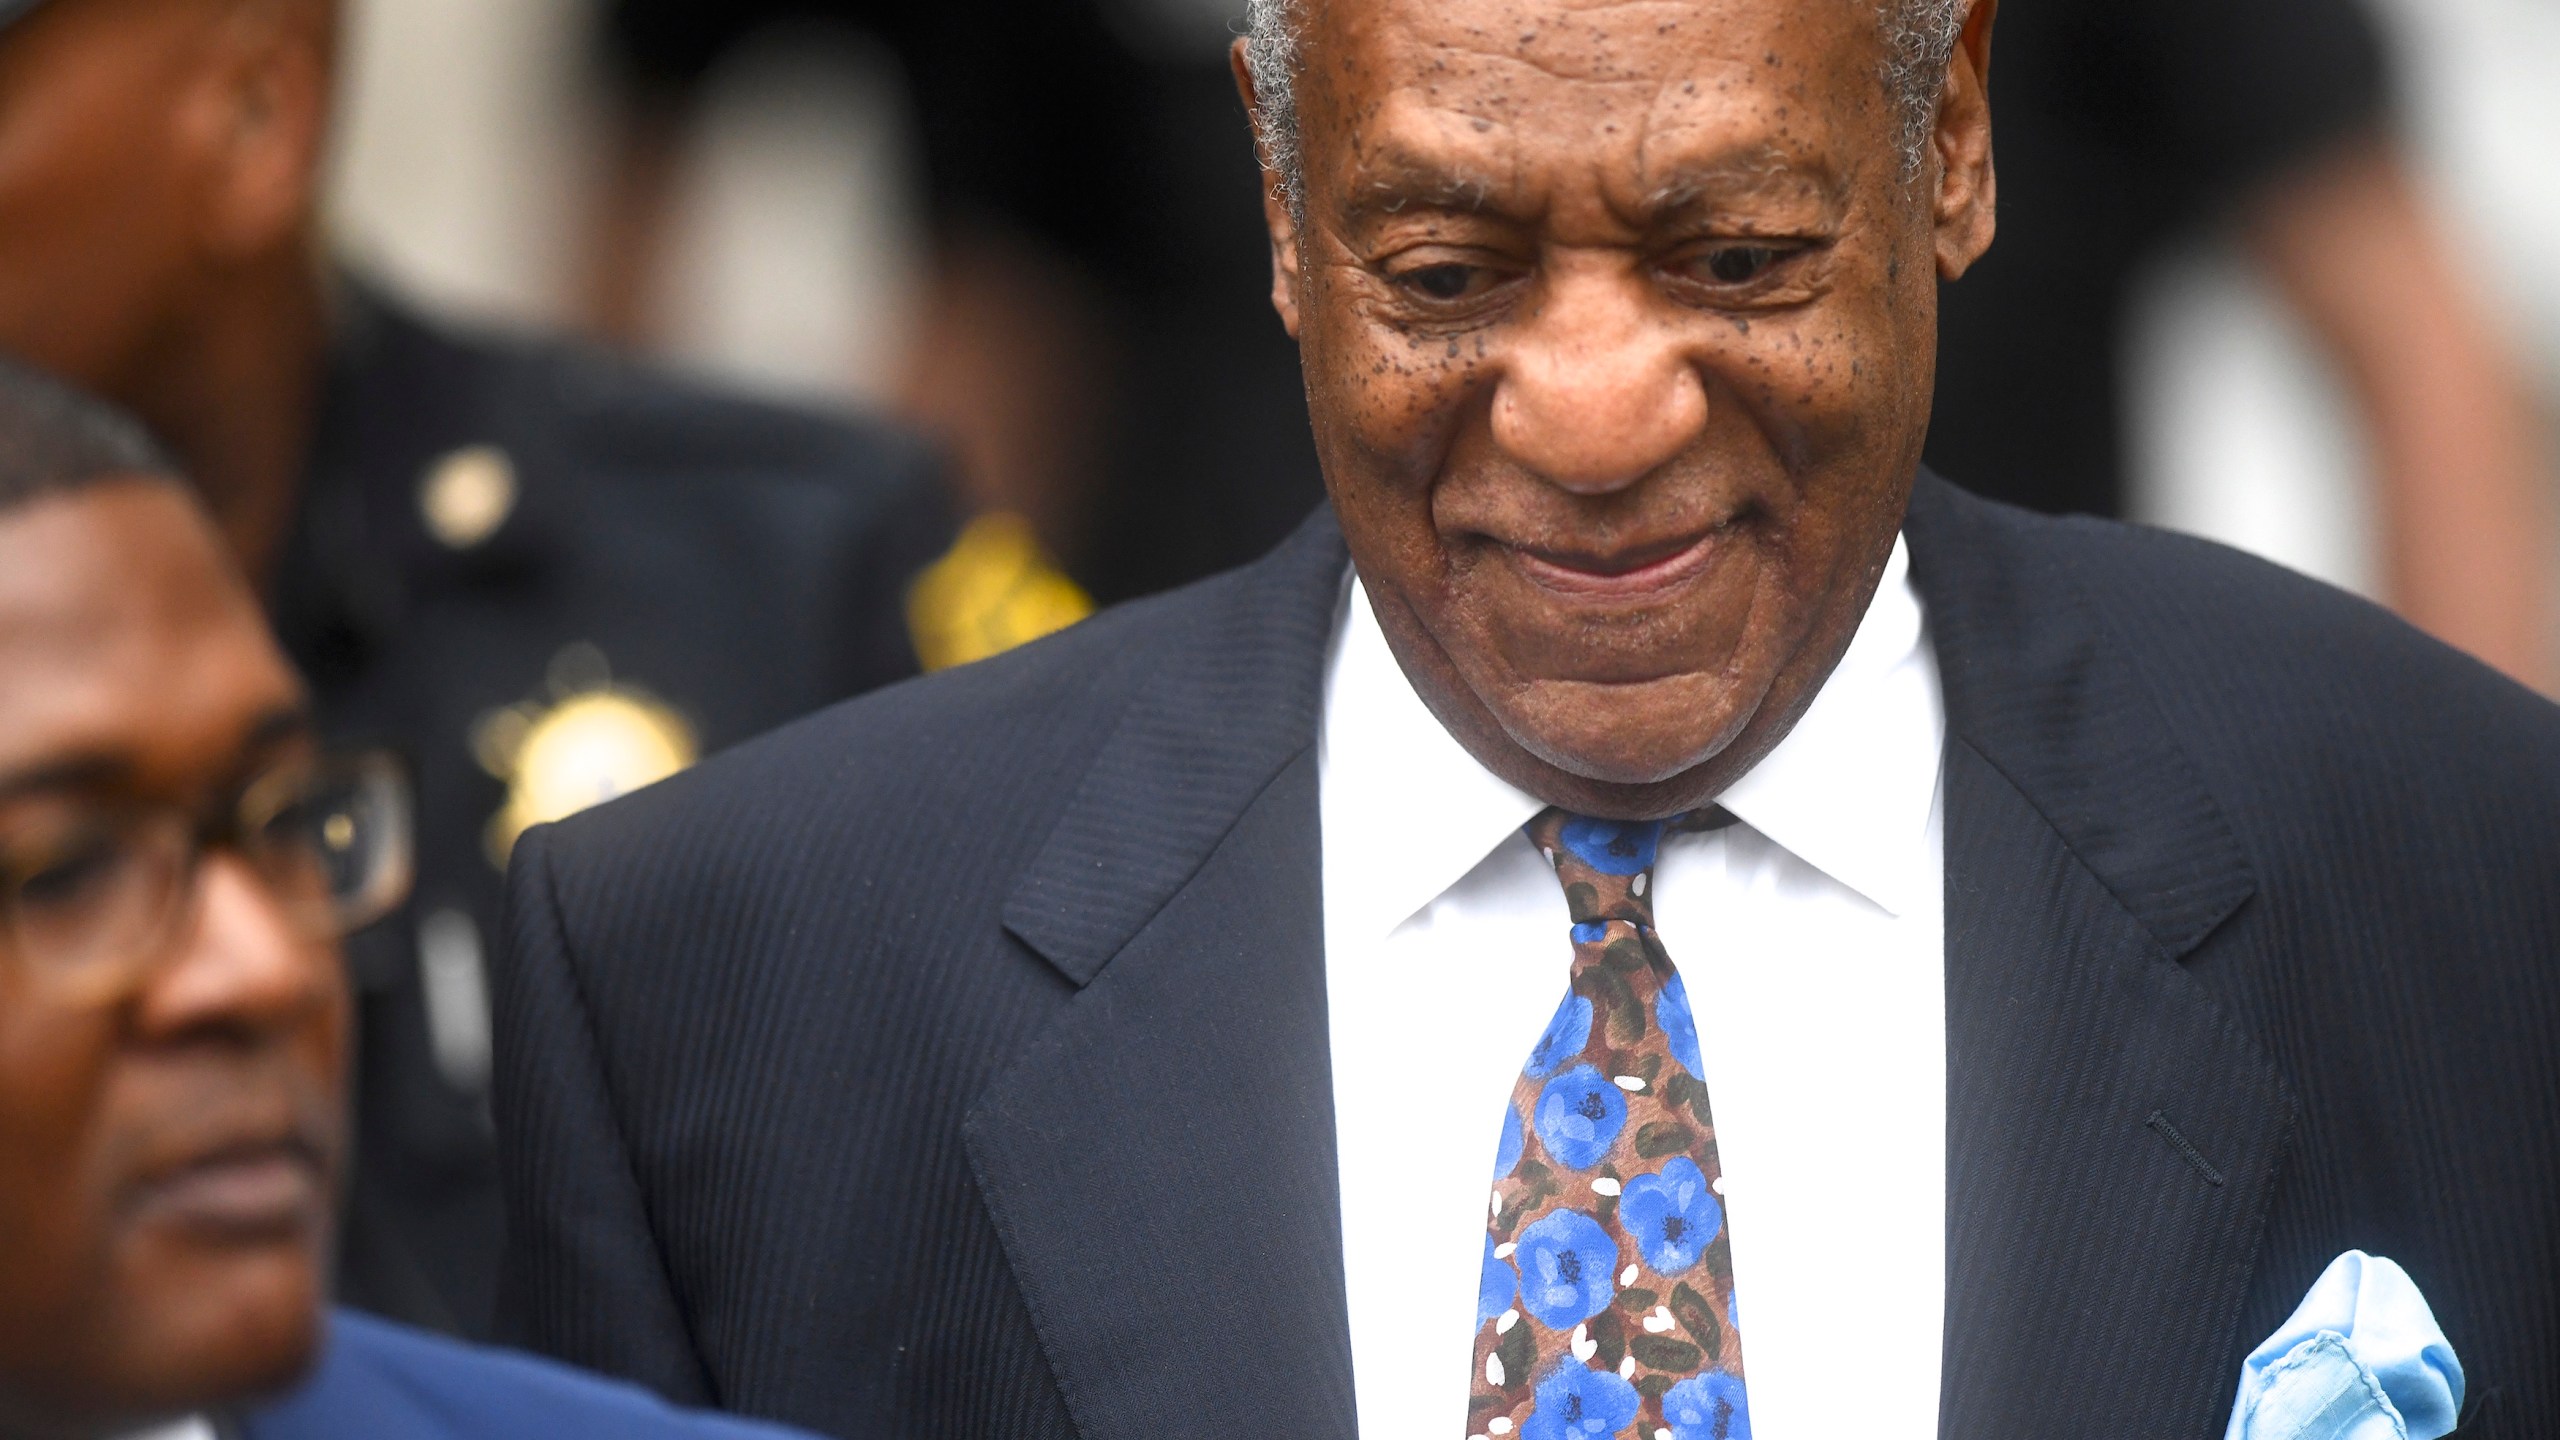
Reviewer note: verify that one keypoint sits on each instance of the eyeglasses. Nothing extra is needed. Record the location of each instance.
(95, 899)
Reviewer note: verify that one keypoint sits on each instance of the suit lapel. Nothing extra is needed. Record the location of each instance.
(2113, 1139)
(1161, 1162)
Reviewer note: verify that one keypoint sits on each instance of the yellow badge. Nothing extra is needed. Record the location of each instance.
(993, 590)
(597, 740)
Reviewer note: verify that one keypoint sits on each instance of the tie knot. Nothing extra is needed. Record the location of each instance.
(1605, 866)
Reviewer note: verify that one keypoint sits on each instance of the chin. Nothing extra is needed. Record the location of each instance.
(232, 1326)
(1630, 734)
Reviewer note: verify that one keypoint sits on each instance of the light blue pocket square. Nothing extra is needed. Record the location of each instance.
(2361, 1359)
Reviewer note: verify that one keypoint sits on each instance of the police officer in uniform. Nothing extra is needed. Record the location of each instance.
(544, 575)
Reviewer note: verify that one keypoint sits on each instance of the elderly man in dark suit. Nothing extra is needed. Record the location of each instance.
(2015, 956)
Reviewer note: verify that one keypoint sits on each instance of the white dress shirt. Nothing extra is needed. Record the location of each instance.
(1811, 937)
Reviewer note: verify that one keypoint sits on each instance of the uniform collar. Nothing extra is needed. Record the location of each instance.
(1408, 812)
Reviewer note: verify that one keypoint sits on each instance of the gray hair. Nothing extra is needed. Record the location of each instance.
(1920, 39)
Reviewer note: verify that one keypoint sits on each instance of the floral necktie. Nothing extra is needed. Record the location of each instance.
(1606, 1307)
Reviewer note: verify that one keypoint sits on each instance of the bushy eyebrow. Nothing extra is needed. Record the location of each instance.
(1760, 173)
(76, 772)
(1398, 185)
(100, 772)
(1397, 182)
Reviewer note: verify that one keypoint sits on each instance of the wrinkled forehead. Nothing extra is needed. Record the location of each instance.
(1641, 95)
(125, 633)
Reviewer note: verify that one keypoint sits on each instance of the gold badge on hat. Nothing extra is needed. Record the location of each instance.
(992, 591)
(594, 739)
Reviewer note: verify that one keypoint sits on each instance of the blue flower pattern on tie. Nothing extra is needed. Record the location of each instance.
(1506, 1156)
(1565, 1037)
(1496, 1288)
(1607, 1231)
(1710, 1407)
(1579, 1117)
(1679, 1025)
(1673, 1216)
(1612, 847)
(1568, 1269)
(1579, 1403)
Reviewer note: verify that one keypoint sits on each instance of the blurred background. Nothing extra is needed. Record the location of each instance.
(1050, 249)
(1034, 228)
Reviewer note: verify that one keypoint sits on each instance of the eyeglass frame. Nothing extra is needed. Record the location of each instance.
(232, 826)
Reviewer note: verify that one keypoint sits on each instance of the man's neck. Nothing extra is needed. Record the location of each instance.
(234, 390)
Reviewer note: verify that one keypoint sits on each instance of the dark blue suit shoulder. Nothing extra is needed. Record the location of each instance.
(2308, 713)
(2253, 659)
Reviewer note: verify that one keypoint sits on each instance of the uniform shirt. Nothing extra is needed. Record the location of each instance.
(2120, 127)
(1811, 938)
(544, 575)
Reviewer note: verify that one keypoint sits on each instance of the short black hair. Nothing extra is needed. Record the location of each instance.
(55, 439)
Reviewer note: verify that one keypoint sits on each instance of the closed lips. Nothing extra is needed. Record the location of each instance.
(1627, 571)
(247, 1190)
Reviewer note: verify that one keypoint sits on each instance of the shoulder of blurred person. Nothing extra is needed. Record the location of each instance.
(552, 471)
(548, 575)
(388, 1382)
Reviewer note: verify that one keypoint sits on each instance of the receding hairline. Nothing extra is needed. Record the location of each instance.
(1920, 38)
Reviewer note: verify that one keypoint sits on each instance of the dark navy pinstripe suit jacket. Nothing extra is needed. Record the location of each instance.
(954, 1063)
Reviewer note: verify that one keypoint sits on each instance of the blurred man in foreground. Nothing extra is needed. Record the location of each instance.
(542, 576)
(177, 857)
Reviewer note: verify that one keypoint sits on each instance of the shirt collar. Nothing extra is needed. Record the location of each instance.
(1850, 791)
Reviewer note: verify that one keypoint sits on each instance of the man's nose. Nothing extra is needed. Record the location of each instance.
(244, 968)
(1598, 392)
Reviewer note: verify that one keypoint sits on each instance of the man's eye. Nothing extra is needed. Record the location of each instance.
(1742, 264)
(1442, 282)
(70, 876)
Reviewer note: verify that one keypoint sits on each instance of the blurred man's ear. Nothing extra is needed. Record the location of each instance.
(1968, 185)
(1276, 213)
(259, 120)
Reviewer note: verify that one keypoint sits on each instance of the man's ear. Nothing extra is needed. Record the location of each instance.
(1277, 216)
(1968, 185)
(259, 122)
